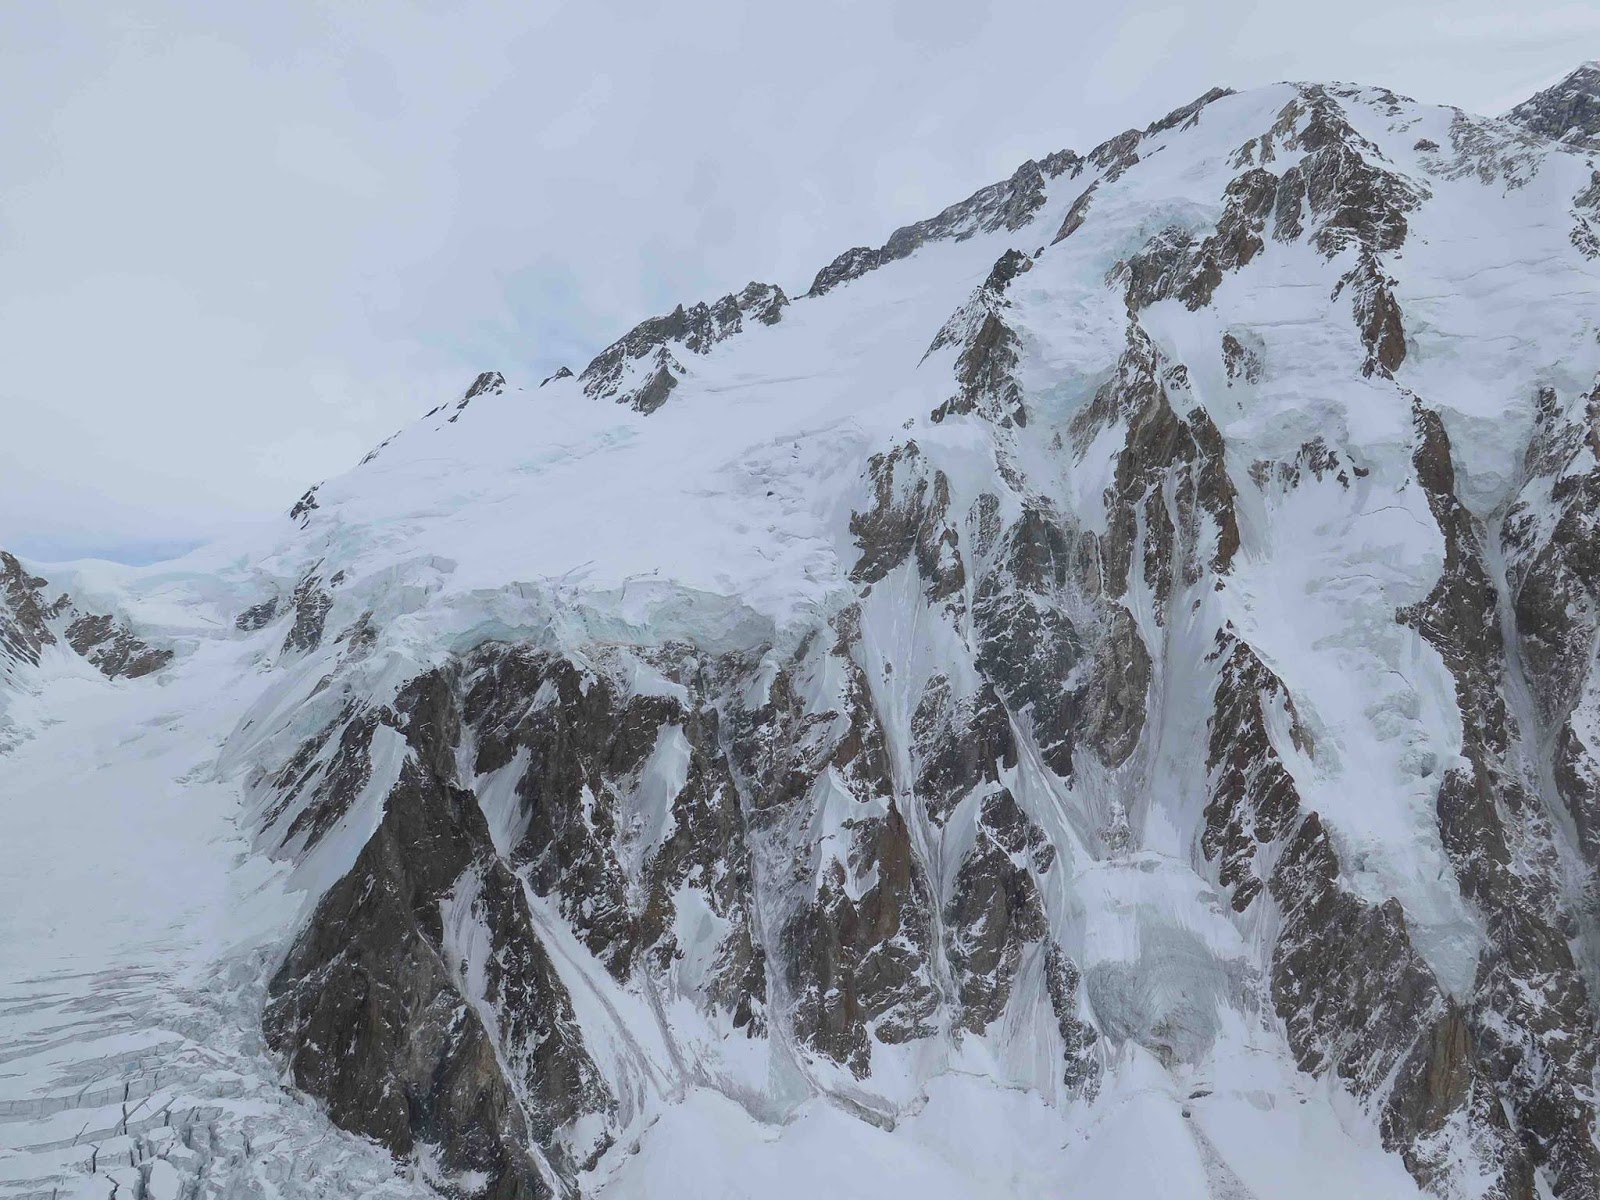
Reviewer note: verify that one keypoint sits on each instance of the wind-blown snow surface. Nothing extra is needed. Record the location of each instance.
(996, 725)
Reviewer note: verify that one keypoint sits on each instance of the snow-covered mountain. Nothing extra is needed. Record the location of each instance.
(1097, 697)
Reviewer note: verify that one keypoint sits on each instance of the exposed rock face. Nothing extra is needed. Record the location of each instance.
(311, 605)
(1009, 205)
(1081, 1068)
(960, 743)
(257, 616)
(305, 506)
(910, 515)
(1353, 992)
(1184, 527)
(1568, 111)
(113, 648)
(1240, 361)
(1336, 197)
(995, 912)
(852, 264)
(640, 368)
(1358, 999)
(1077, 214)
(488, 383)
(989, 350)
(28, 624)
(1586, 219)
(374, 1006)
(1253, 802)
(24, 617)
(624, 804)
(1027, 644)
(858, 960)
(1554, 576)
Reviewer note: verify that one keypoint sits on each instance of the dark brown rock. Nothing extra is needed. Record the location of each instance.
(695, 330)
(112, 647)
(24, 615)
(311, 605)
(858, 969)
(910, 515)
(1076, 215)
(1252, 801)
(257, 616)
(995, 911)
(959, 744)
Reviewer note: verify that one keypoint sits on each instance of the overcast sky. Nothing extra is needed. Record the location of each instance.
(239, 244)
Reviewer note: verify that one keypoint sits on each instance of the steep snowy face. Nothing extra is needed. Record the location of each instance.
(1101, 687)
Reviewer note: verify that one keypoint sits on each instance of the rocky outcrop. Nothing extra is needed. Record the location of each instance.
(306, 505)
(1188, 116)
(488, 383)
(1239, 360)
(858, 954)
(375, 1007)
(1338, 196)
(1550, 538)
(852, 264)
(1022, 772)
(1355, 996)
(640, 369)
(909, 515)
(1081, 1069)
(960, 743)
(1568, 111)
(112, 647)
(312, 603)
(1358, 1000)
(1077, 214)
(24, 616)
(1009, 204)
(1253, 803)
(315, 789)
(1027, 644)
(624, 799)
(257, 616)
(989, 351)
(1171, 491)
(995, 913)
(858, 921)
(28, 623)
(1377, 315)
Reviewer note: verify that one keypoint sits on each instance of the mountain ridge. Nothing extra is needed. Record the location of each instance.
(1112, 670)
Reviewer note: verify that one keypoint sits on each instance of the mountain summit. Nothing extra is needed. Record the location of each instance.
(1098, 692)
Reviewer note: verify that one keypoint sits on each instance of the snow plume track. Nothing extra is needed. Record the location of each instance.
(137, 934)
